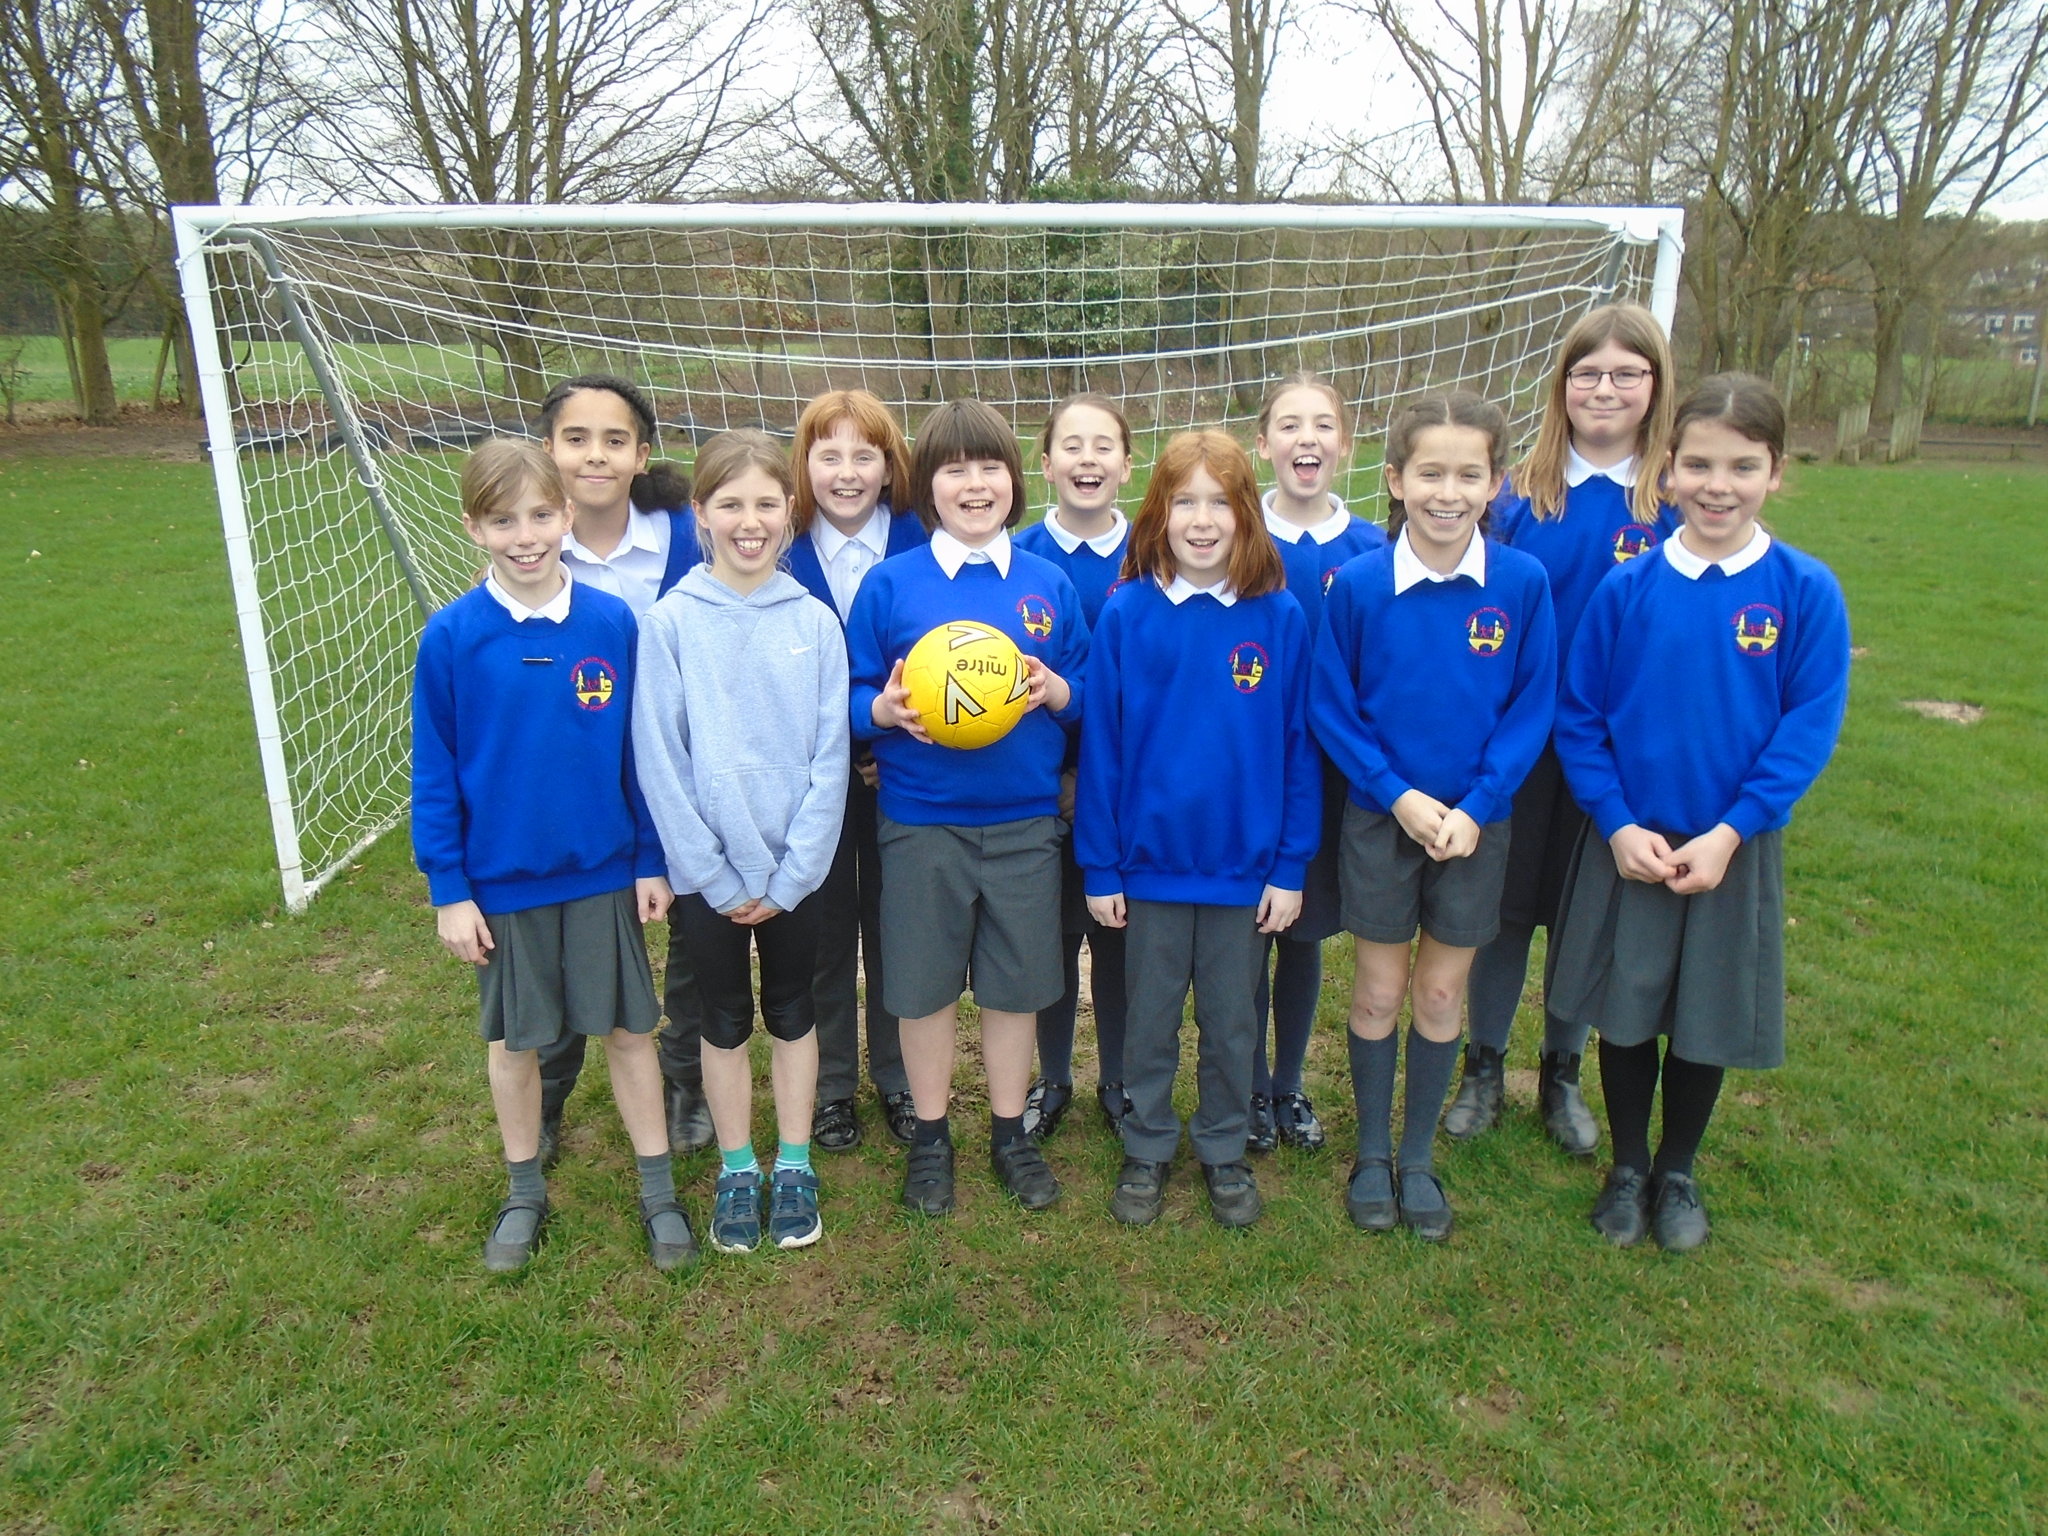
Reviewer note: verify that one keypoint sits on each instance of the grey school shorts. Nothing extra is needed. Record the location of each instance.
(1390, 884)
(575, 967)
(979, 901)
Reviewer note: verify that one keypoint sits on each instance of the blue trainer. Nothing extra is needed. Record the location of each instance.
(736, 1218)
(793, 1220)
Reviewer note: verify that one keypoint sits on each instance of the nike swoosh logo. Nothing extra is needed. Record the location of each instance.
(798, 650)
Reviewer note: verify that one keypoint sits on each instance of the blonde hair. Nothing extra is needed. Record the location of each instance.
(1304, 379)
(730, 455)
(1540, 476)
(496, 474)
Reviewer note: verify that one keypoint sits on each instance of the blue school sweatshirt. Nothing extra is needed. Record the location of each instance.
(1692, 701)
(1592, 531)
(904, 598)
(1092, 574)
(522, 761)
(905, 533)
(1311, 566)
(1199, 781)
(1448, 688)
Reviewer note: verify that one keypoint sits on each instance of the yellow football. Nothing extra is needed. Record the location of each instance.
(967, 681)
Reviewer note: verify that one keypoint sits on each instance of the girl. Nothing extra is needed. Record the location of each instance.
(740, 728)
(1086, 447)
(852, 463)
(540, 858)
(1305, 434)
(1587, 502)
(970, 840)
(1199, 805)
(1435, 682)
(1676, 926)
(631, 539)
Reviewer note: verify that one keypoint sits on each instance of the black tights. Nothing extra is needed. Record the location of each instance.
(1628, 1077)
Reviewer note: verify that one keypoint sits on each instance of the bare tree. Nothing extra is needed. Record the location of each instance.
(1216, 108)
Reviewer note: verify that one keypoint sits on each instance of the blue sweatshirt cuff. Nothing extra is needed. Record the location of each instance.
(1748, 818)
(449, 887)
(1102, 882)
(1612, 814)
(1288, 875)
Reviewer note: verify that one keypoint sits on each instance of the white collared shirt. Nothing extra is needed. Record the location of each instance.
(1103, 544)
(1409, 569)
(1293, 533)
(845, 560)
(632, 571)
(952, 554)
(556, 607)
(1180, 589)
(1692, 567)
(1577, 471)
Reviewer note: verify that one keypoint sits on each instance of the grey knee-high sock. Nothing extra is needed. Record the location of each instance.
(1430, 1065)
(1495, 990)
(658, 1183)
(523, 1181)
(1372, 1092)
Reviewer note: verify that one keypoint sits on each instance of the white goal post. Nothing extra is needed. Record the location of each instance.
(349, 356)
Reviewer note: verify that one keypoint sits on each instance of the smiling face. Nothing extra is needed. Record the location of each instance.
(1086, 465)
(848, 475)
(1719, 481)
(1303, 440)
(1606, 416)
(597, 446)
(1201, 528)
(745, 520)
(523, 537)
(1445, 485)
(972, 499)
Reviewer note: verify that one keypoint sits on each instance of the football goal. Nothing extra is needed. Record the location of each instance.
(349, 356)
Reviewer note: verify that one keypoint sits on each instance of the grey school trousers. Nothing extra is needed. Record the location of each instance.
(1218, 949)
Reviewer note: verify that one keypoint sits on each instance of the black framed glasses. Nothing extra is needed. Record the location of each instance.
(1624, 378)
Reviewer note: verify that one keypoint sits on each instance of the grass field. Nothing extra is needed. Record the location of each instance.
(246, 1160)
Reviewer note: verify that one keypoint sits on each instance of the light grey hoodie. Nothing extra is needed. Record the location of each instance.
(740, 737)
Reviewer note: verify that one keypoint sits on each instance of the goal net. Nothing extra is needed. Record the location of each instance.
(350, 356)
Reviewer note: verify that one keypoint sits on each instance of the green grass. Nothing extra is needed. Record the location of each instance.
(246, 1160)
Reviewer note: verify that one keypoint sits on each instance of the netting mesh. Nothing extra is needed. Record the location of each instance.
(362, 361)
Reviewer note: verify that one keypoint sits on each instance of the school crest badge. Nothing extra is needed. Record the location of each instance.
(1248, 666)
(1632, 539)
(594, 681)
(1486, 631)
(1037, 615)
(1757, 627)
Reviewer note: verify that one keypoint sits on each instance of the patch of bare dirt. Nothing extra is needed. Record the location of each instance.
(1952, 710)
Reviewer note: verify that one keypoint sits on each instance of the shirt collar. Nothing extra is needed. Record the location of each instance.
(1409, 569)
(874, 533)
(952, 554)
(1103, 544)
(1692, 567)
(1293, 533)
(641, 533)
(555, 608)
(1577, 471)
(1180, 589)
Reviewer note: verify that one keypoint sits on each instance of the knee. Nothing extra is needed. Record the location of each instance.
(624, 1045)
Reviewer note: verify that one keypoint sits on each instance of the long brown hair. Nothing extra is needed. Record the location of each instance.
(876, 424)
(730, 455)
(1458, 408)
(661, 486)
(1540, 476)
(1254, 568)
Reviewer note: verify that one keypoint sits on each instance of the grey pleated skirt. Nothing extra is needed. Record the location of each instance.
(1635, 961)
(577, 967)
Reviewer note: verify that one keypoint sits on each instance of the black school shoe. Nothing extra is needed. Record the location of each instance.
(689, 1120)
(1563, 1107)
(900, 1112)
(1025, 1174)
(667, 1257)
(1370, 1211)
(550, 1141)
(1294, 1118)
(1140, 1192)
(1115, 1105)
(1433, 1222)
(928, 1179)
(1045, 1106)
(1476, 1106)
(835, 1127)
(502, 1258)
(1622, 1213)
(1233, 1194)
(1263, 1134)
(1679, 1222)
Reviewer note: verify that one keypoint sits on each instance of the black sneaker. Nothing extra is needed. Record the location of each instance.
(1369, 1195)
(550, 1140)
(1563, 1107)
(689, 1120)
(928, 1178)
(502, 1257)
(835, 1127)
(666, 1256)
(1140, 1192)
(1263, 1135)
(1045, 1106)
(1432, 1220)
(901, 1115)
(1680, 1221)
(1025, 1174)
(1622, 1213)
(1233, 1194)
(1115, 1105)
(1294, 1118)
(1476, 1107)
